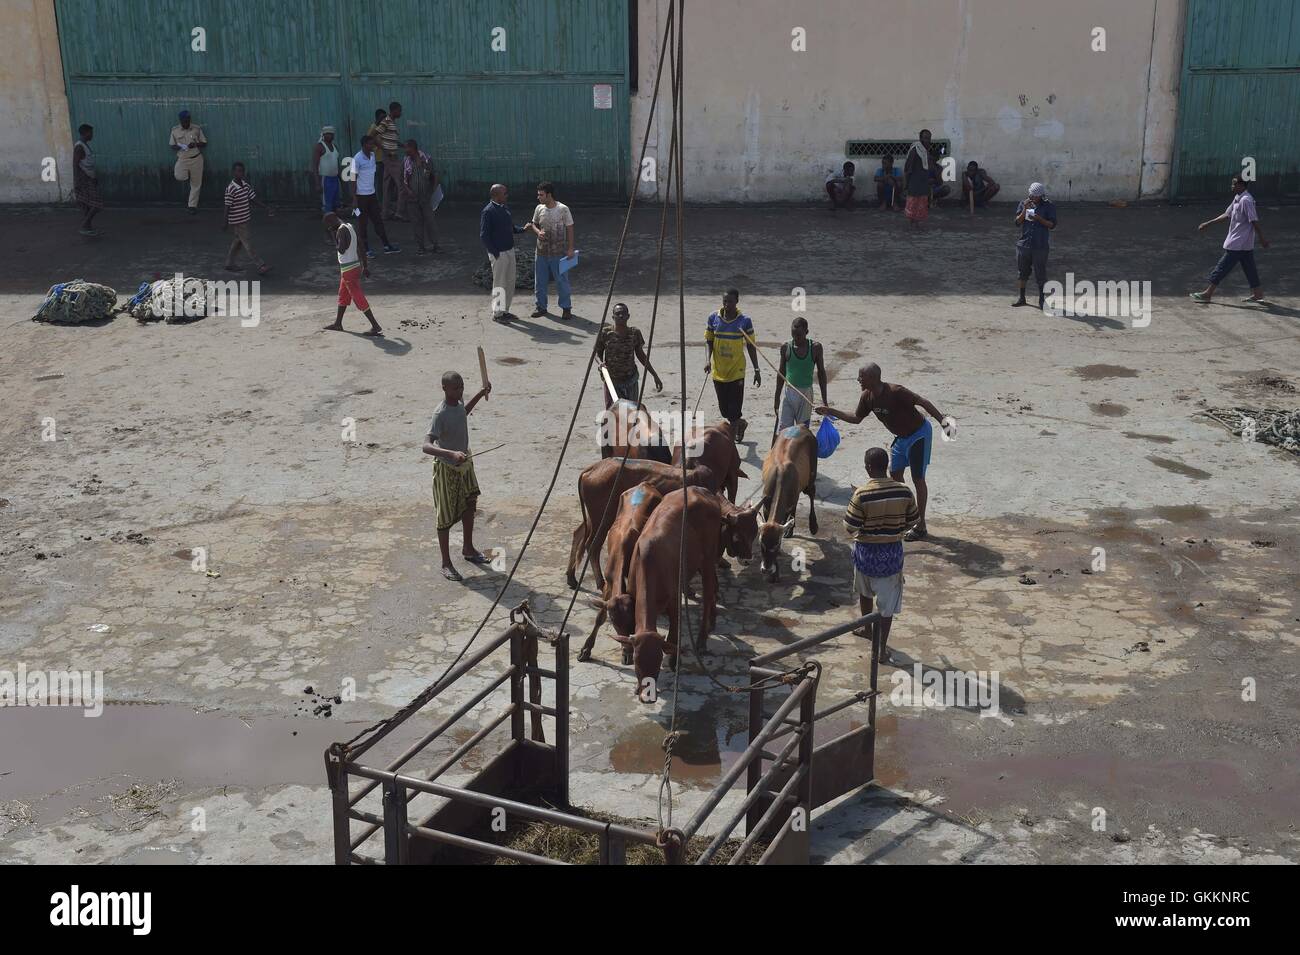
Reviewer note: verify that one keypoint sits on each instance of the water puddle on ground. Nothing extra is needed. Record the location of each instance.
(702, 754)
(1180, 513)
(1102, 372)
(1153, 438)
(510, 360)
(1179, 468)
(50, 749)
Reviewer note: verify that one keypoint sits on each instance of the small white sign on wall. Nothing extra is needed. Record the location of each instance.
(602, 95)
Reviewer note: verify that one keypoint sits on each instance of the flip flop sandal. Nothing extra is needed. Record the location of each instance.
(477, 559)
(452, 574)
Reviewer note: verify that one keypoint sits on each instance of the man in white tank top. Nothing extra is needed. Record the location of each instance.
(351, 268)
(324, 169)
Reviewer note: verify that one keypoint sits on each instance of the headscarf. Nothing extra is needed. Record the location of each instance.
(328, 129)
(922, 152)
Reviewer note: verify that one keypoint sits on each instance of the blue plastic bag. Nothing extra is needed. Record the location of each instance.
(828, 438)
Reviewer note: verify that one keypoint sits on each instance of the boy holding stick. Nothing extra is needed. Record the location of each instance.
(455, 487)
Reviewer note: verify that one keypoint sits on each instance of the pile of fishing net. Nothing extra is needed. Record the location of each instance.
(1273, 426)
(523, 272)
(76, 303)
(158, 301)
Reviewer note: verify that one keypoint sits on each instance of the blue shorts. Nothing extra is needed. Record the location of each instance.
(912, 451)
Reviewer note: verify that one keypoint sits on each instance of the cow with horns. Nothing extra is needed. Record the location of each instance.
(790, 469)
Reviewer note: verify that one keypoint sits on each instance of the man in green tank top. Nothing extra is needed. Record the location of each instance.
(793, 402)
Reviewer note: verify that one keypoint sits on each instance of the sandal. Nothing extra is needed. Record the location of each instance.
(477, 558)
(452, 574)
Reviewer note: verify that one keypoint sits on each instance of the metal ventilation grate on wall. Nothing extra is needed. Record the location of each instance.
(875, 148)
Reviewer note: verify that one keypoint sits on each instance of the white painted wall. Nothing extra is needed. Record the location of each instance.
(1012, 83)
(33, 105)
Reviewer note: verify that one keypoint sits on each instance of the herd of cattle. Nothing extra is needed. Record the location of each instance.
(652, 521)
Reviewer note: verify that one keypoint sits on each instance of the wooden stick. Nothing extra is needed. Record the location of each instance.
(609, 383)
(482, 369)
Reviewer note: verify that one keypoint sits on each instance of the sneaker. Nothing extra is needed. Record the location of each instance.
(503, 318)
(538, 313)
(567, 314)
(390, 249)
(192, 211)
(370, 253)
(741, 425)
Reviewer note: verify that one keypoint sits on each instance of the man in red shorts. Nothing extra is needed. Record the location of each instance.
(351, 269)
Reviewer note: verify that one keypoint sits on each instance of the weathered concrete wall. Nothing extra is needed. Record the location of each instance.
(1015, 85)
(33, 105)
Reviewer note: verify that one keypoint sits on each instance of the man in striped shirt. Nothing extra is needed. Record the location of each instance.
(391, 157)
(878, 515)
(239, 196)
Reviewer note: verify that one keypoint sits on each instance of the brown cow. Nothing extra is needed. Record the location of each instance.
(634, 509)
(714, 446)
(655, 576)
(626, 428)
(790, 469)
(601, 484)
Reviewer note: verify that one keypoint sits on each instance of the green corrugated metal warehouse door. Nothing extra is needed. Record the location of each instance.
(1240, 96)
(553, 104)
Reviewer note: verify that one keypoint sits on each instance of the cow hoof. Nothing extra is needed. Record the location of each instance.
(572, 580)
(627, 656)
(584, 655)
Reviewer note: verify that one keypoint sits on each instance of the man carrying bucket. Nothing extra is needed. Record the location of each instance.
(895, 407)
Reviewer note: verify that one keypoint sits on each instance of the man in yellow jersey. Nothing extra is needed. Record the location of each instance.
(728, 336)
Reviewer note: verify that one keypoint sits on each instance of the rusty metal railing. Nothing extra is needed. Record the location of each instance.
(342, 760)
(784, 804)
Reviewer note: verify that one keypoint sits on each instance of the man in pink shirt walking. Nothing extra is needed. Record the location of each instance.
(1239, 246)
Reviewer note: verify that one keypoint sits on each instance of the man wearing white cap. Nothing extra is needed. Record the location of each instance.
(324, 169)
(1036, 216)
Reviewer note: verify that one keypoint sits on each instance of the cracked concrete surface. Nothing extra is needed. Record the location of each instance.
(1120, 689)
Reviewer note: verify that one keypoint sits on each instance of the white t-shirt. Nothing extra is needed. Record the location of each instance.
(554, 223)
(364, 169)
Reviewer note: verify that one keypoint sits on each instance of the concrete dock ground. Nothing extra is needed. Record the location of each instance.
(1160, 689)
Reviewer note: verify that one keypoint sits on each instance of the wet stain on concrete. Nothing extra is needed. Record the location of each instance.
(1102, 372)
(1153, 438)
(1108, 409)
(1177, 467)
(1180, 513)
(698, 754)
(510, 360)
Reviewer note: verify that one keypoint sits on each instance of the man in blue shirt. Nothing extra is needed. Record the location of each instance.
(497, 231)
(1036, 216)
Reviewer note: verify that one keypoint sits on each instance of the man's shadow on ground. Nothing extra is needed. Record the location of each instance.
(545, 334)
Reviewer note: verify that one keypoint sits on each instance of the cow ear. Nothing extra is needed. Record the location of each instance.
(742, 475)
(626, 641)
(788, 525)
(595, 603)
